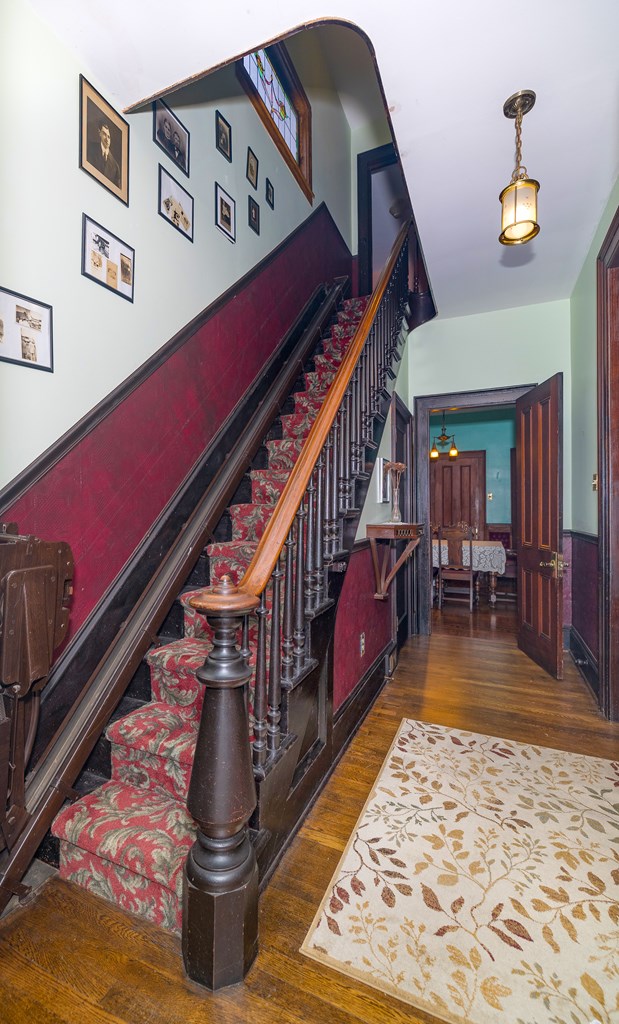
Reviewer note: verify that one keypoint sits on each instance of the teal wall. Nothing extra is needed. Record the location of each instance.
(495, 433)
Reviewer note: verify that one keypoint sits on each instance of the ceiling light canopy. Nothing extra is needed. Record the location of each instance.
(519, 198)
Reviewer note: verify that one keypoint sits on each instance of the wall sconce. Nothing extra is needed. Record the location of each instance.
(519, 198)
(442, 439)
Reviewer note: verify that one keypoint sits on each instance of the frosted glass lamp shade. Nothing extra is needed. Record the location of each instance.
(519, 212)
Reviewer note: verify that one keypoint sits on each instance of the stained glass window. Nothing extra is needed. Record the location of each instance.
(274, 96)
(272, 84)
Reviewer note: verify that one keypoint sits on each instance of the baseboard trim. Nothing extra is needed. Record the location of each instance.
(584, 659)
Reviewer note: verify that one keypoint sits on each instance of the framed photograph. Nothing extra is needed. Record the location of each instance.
(104, 142)
(223, 136)
(175, 204)
(252, 168)
(171, 135)
(270, 194)
(225, 213)
(26, 331)
(253, 215)
(106, 259)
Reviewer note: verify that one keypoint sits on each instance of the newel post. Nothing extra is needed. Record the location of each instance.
(220, 883)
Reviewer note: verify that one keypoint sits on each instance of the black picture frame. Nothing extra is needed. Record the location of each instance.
(175, 204)
(173, 140)
(100, 122)
(225, 213)
(26, 331)
(251, 170)
(106, 259)
(253, 214)
(223, 136)
(269, 193)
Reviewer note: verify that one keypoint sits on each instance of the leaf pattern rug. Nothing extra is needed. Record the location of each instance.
(481, 882)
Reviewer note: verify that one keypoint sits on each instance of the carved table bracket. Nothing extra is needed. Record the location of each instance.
(391, 533)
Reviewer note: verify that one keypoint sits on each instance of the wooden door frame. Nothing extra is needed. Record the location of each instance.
(424, 405)
(367, 164)
(608, 469)
(398, 405)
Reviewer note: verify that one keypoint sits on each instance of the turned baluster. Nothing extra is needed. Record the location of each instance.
(274, 712)
(260, 688)
(310, 579)
(220, 882)
(288, 621)
(328, 546)
(298, 636)
(319, 570)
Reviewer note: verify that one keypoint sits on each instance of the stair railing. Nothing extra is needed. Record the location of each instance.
(302, 542)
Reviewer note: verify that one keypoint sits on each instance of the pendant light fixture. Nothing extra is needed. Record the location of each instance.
(519, 198)
(442, 439)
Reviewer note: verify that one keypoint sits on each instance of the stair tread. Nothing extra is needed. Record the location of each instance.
(145, 831)
(158, 728)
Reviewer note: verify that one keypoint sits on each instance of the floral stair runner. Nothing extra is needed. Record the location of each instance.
(127, 841)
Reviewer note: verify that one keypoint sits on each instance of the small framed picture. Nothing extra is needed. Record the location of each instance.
(26, 331)
(253, 215)
(171, 135)
(252, 168)
(223, 136)
(175, 204)
(225, 213)
(270, 194)
(104, 142)
(106, 259)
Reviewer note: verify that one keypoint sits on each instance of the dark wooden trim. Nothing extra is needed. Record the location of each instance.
(424, 405)
(586, 538)
(367, 164)
(608, 467)
(351, 713)
(585, 660)
(57, 451)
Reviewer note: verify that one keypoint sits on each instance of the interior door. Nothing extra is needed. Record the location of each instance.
(539, 417)
(458, 491)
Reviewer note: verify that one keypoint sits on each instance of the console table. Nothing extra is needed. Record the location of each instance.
(391, 533)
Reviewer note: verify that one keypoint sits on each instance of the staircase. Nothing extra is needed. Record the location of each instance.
(128, 839)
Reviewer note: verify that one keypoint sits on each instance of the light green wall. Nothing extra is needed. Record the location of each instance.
(363, 139)
(507, 347)
(99, 338)
(583, 319)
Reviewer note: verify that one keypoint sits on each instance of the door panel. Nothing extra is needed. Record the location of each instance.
(458, 490)
(539, 478)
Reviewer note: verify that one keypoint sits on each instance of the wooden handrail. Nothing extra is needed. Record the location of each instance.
(270, 545)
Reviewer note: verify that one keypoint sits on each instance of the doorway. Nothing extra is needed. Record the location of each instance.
(424, 406)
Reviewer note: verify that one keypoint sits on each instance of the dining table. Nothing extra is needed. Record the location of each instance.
(488, 556)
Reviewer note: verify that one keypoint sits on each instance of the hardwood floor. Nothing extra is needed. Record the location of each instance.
(69, 958)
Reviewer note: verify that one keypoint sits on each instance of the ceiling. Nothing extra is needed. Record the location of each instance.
(446, 69)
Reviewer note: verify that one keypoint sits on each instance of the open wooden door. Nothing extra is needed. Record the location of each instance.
(539, 417)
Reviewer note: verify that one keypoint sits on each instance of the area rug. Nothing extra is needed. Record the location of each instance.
(481, 881)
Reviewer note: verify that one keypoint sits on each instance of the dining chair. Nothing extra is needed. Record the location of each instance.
(457, 539)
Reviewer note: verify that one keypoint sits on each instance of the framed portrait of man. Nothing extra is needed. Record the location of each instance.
(104, 142)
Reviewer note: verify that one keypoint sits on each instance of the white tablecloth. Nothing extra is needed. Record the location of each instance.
(488, 555)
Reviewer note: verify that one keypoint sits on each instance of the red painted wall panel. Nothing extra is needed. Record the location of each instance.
(358, 612)
(104, 495)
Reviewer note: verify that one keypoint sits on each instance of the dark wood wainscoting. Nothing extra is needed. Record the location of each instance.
(584, 632)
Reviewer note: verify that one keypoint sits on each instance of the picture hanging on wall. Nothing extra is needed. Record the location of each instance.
(223, 136)
(225, 213)
(270, 194)
(104, 142)
(252, 168)
(171, 135)
(106, 259)
(175, 204)
(253, 215)
(25, 331)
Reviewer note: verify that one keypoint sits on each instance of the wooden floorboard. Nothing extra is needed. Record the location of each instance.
(70, 958)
